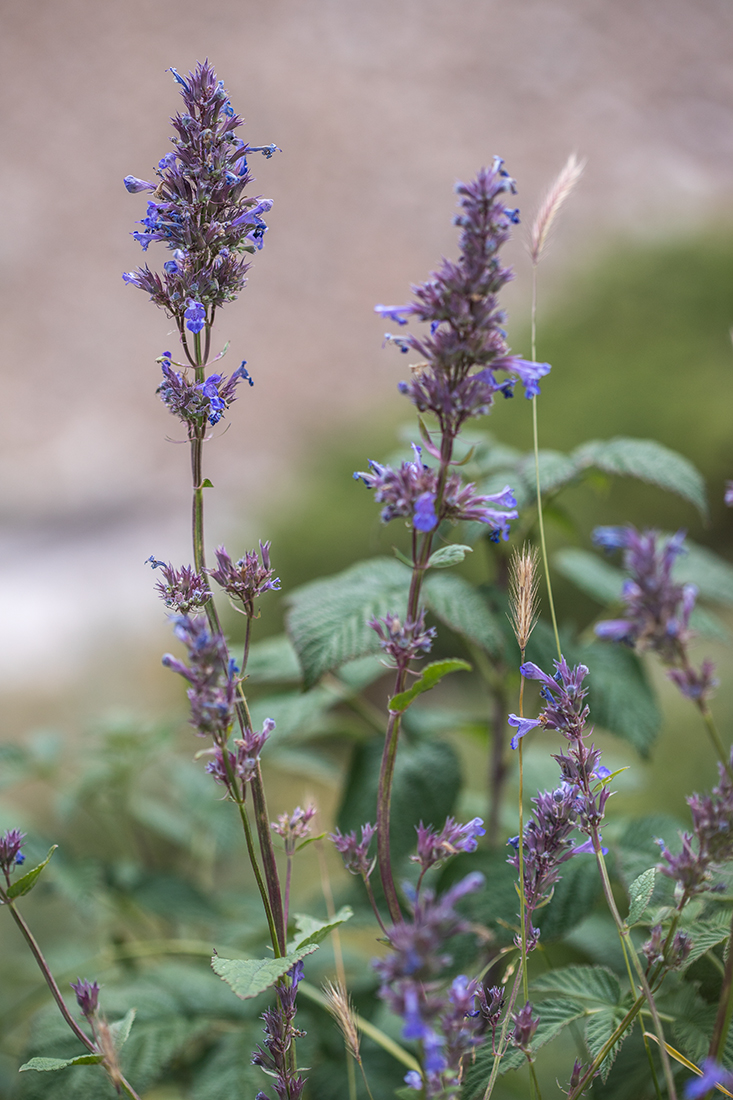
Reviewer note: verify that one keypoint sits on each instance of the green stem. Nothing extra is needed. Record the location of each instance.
(501, 1048)
(522, 898)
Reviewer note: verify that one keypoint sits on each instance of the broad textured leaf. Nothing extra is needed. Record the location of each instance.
(250, 977)
(648, 461)
(426, 783)
(228, 1071)
(45, 1065)
(327, 621)
(573, 899)
(314, 931)
(462, 608)
(120, 1029)
(556, 469)
(272, 661)
(712, 574)
(591, 574)
(621, 698)
(554, 1017)
(23, 885)
(693, 1026)
(707, 934)
(599, 1029)
(636, 849)
(640, 894)
(448, 555)
(592, 985)
(295, 713)
(430, 676)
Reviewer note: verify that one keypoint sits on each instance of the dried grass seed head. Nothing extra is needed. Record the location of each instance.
(523, 599)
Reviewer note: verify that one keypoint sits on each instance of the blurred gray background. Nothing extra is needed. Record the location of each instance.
(378, 107)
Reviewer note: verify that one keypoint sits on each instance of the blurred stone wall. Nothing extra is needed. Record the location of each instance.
(378, 106)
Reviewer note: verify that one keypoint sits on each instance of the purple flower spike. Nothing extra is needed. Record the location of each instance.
(10, 853)
(87, 996)
(524, 725)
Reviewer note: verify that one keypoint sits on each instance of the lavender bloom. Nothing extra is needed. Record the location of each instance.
(355, 853)
(280, 1031)
(211, 674)
(523, 726)
(249, 578)
(403, 641)
(195, 403)
(294, 827)
(657, 611)
(411, 492)
(447, 1026)
(490, 1004)
(712, 822)
(87, 996)
(183, 589)
(10, 853)
(546, 846)
(564, 695)
(459, 302)
(525, 1025)
(242, 763)
(198, 209)
(433, 848)
(713, 1074)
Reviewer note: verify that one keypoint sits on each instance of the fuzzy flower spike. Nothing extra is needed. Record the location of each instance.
(198, 208)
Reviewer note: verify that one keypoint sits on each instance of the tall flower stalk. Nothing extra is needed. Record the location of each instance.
(464, 364)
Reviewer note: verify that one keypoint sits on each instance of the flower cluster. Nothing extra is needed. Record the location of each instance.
(355, 853)
(525, 1025)
(274, 1056)
(403, 641)
(657, 610)
(433, 847)
(412, 492)
(446, 1025)
(10, 853)
(675, 955)
(546, 845)
(87, 996)
(242, 762)
(294, 827)
(196, 402)
(211, 674)
(198, 208)
(712, 824)
(459, 302)
(580, 768)
(183, 589)
(248, 579)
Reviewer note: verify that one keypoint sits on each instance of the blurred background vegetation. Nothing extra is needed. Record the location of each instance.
(640, 346)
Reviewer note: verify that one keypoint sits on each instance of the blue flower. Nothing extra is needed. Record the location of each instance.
(425, 518)
(524, 725)
(413, 1079)
(394, 313)
(713, 1075)
(195, 316)
(135, 185)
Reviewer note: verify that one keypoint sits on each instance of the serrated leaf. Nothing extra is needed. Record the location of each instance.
(431, 675)
(448, 555)
(556, 469)
(599, 1029)
(314, 931)
(593, 985)
(640, 894)
(120, 1029)
(295, 713)
(46, 1065)
(462, 608)
(250, 977)
(25, 884)
(707, 934)
(328, 619)
(647, 460)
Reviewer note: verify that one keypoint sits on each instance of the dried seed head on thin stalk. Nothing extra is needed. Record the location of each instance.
(550, 206)
(341, 1008)
(523, 601)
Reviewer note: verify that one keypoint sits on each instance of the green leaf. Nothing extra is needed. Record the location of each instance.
(448, 555)
(573, 898)
(273, 660)
(592, 985)
(120, 1029)
(403, 557)
(640, 893)
(431, 675)
(314, 931)
(591, 574)
(426, 783)
(712, 574)
(206, 484)
(462, 608)
(25, 884)
(328, 619)
(295, 714)
(45, 1065)
(250, 977)
(647, 460)
(599, 1029)
(707, 934)
(556, 470)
